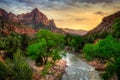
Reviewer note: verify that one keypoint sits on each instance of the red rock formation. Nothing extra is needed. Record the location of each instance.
(52, 22)
(3, 13)
(34, 17)
(28, 31)
(12, 17)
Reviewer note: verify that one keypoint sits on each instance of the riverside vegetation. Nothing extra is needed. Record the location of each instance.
(15, 48)
(104, 47)
(107, 50)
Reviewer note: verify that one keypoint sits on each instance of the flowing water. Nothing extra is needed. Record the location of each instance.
(78, 70)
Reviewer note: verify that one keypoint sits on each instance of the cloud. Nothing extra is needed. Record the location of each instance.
(52, 4)
(96, 1)
(99, 13)
(84, 14)
(57, 3)
(79, 19)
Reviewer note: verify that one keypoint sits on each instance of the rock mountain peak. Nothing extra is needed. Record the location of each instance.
(36, 10)
(35, 19)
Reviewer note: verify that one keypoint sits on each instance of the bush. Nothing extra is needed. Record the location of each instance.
(46, 67)
(21, 69)
(16, 69)
(4, 71)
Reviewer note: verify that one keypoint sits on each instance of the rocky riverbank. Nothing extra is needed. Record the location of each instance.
(99, 66)
(53, 73)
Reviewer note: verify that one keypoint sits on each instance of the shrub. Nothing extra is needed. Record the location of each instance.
(5, 72)
(21, 69)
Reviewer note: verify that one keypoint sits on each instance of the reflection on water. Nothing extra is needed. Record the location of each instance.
(78, 70)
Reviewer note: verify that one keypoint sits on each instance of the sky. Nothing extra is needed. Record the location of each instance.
(73, 14)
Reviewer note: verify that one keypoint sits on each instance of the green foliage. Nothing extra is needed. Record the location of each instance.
(117, 66)
(90, 51)
(12, 42)
(104, 49)
(112, 69)
(4, 71)
(47, 44)
(37, 51)
(94, 36)
(90, 38)
(77, 43)
(74, 42)
(24, 41)
(21, 69)
(108, 50)
(109, 72)
(103, 34)
(46, 67)
(55, 55)
(16, 69)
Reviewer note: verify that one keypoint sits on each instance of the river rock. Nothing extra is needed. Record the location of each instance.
(98, 65)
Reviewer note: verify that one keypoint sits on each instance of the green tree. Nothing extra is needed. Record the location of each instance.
(107, 50)
(46, 44)
(90, 38)
(24, 41)
(12, 43)
(77, 43)
(9, 44)
(68, 39)
(37, 51)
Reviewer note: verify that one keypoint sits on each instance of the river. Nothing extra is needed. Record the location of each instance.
(78, 69)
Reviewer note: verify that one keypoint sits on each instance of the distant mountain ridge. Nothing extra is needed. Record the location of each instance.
(76, 32)
(106, 24)
(34, 21)
(31, 19)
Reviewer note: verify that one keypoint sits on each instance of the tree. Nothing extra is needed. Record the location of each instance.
(68, 39)
(12, 43)
(77, 43)
(107, 50)
(24, 41)
(37, 51)
(90, 38)
(46, 44)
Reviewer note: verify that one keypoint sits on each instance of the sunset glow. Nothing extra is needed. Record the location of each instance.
(73, 14)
